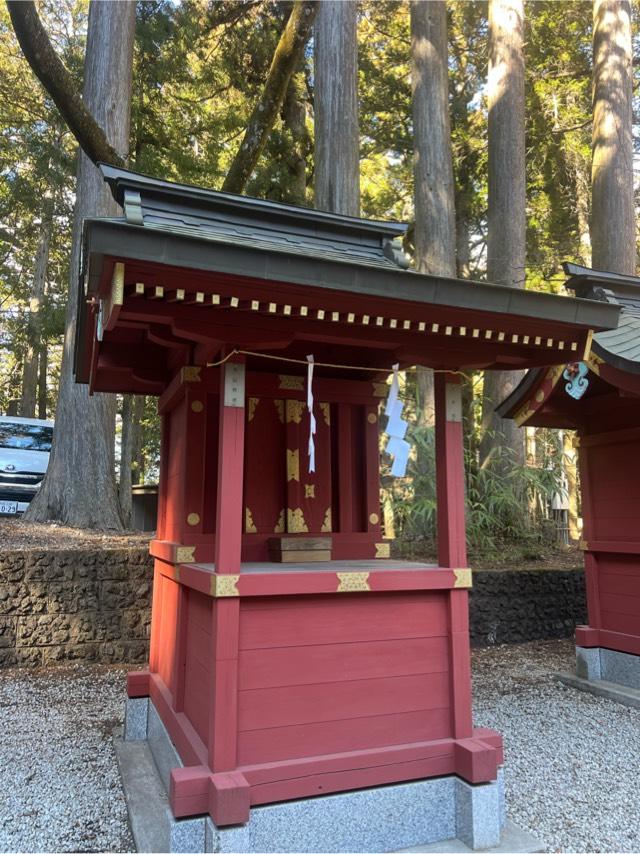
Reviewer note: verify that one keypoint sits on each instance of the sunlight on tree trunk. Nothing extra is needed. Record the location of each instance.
(79, 487)
(337, 153)
(613, 230)
(506, 203)
(435, 229)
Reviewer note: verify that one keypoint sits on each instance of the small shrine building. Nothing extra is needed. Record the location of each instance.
(599, 397)
(305, 691)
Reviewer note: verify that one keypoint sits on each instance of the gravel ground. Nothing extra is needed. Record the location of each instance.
(572, 763)
(59, 783)
(572, 760)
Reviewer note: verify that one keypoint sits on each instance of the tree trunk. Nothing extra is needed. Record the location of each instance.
(79, 487)
(435, 229)
(285, 60)
(42, 380)
(30, 366)
(613, 233)
(506, 205)
(294, 114)
(132, 406)
(337, 141)
(51, 72)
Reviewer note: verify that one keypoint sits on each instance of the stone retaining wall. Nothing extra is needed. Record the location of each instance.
(85, 605)
(73, 605)
(518, 605)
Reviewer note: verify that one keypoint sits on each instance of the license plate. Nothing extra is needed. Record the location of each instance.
(8, 506)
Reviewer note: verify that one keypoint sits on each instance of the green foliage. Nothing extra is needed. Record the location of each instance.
(505, 502)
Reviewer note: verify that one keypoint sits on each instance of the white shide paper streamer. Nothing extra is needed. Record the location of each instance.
(312, 418)
(396, 428)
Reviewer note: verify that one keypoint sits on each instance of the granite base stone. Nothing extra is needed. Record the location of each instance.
(385, 818)
(597, 663)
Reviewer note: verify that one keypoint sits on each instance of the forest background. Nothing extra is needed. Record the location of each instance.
(199, 72)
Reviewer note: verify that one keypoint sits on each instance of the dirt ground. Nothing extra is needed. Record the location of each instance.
(18, 535)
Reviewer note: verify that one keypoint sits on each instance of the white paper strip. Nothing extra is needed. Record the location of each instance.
(399, 449)
(312, 418)
(396, 428)
(394, 391)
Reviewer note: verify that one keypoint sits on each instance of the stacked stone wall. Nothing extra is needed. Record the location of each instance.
(74, 605)
(89, 605)
(518, 605)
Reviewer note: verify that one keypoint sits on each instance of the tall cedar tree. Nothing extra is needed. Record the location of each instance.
(506, 203)
(613, 232)
(435, 226)
(337, 154)
(79, 487)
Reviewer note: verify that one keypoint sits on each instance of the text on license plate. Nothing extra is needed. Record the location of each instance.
(8, 506)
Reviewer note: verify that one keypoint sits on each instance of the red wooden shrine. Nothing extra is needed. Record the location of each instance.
(280, 680)
(607, 418)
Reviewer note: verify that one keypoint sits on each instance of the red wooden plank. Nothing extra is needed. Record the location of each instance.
(620, 640)
(587, 637)
(331, 619)
(138, 683)
(197, 697)
(309, 507)
(373, 510)
(189, 790)
(631, 547)
(628, 624)
(590, 564)
(156, 608)
(316, 739)
(177, 683)
(229, 798)
(274, 667)
(329, 763)
(345, 452)
(460, 658)
(223, 702)
(262, 708)
(628, 434)
(625, 604)
(490, 736)
(475, 760)
(187, 741)
(168, 631)
(229, 515)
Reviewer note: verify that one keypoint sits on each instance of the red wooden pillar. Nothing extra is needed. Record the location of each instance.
(226, 609)
(588, 635)
(452, 550)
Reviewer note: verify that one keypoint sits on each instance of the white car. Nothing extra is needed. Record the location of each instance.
(25, 444)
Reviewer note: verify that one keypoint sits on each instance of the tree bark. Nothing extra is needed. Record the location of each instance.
(129, 445)
(294, 114)
(42, 379)
(506, 204)
(335, 102)
(51, 72)
(79, 487)
(285, 60)
(613, 232)
(435, 228)
(30, 365)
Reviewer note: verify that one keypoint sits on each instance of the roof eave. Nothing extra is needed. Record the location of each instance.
(121, 239)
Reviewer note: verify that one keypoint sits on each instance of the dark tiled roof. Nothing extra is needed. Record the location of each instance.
(258, 223)
(619, 347)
